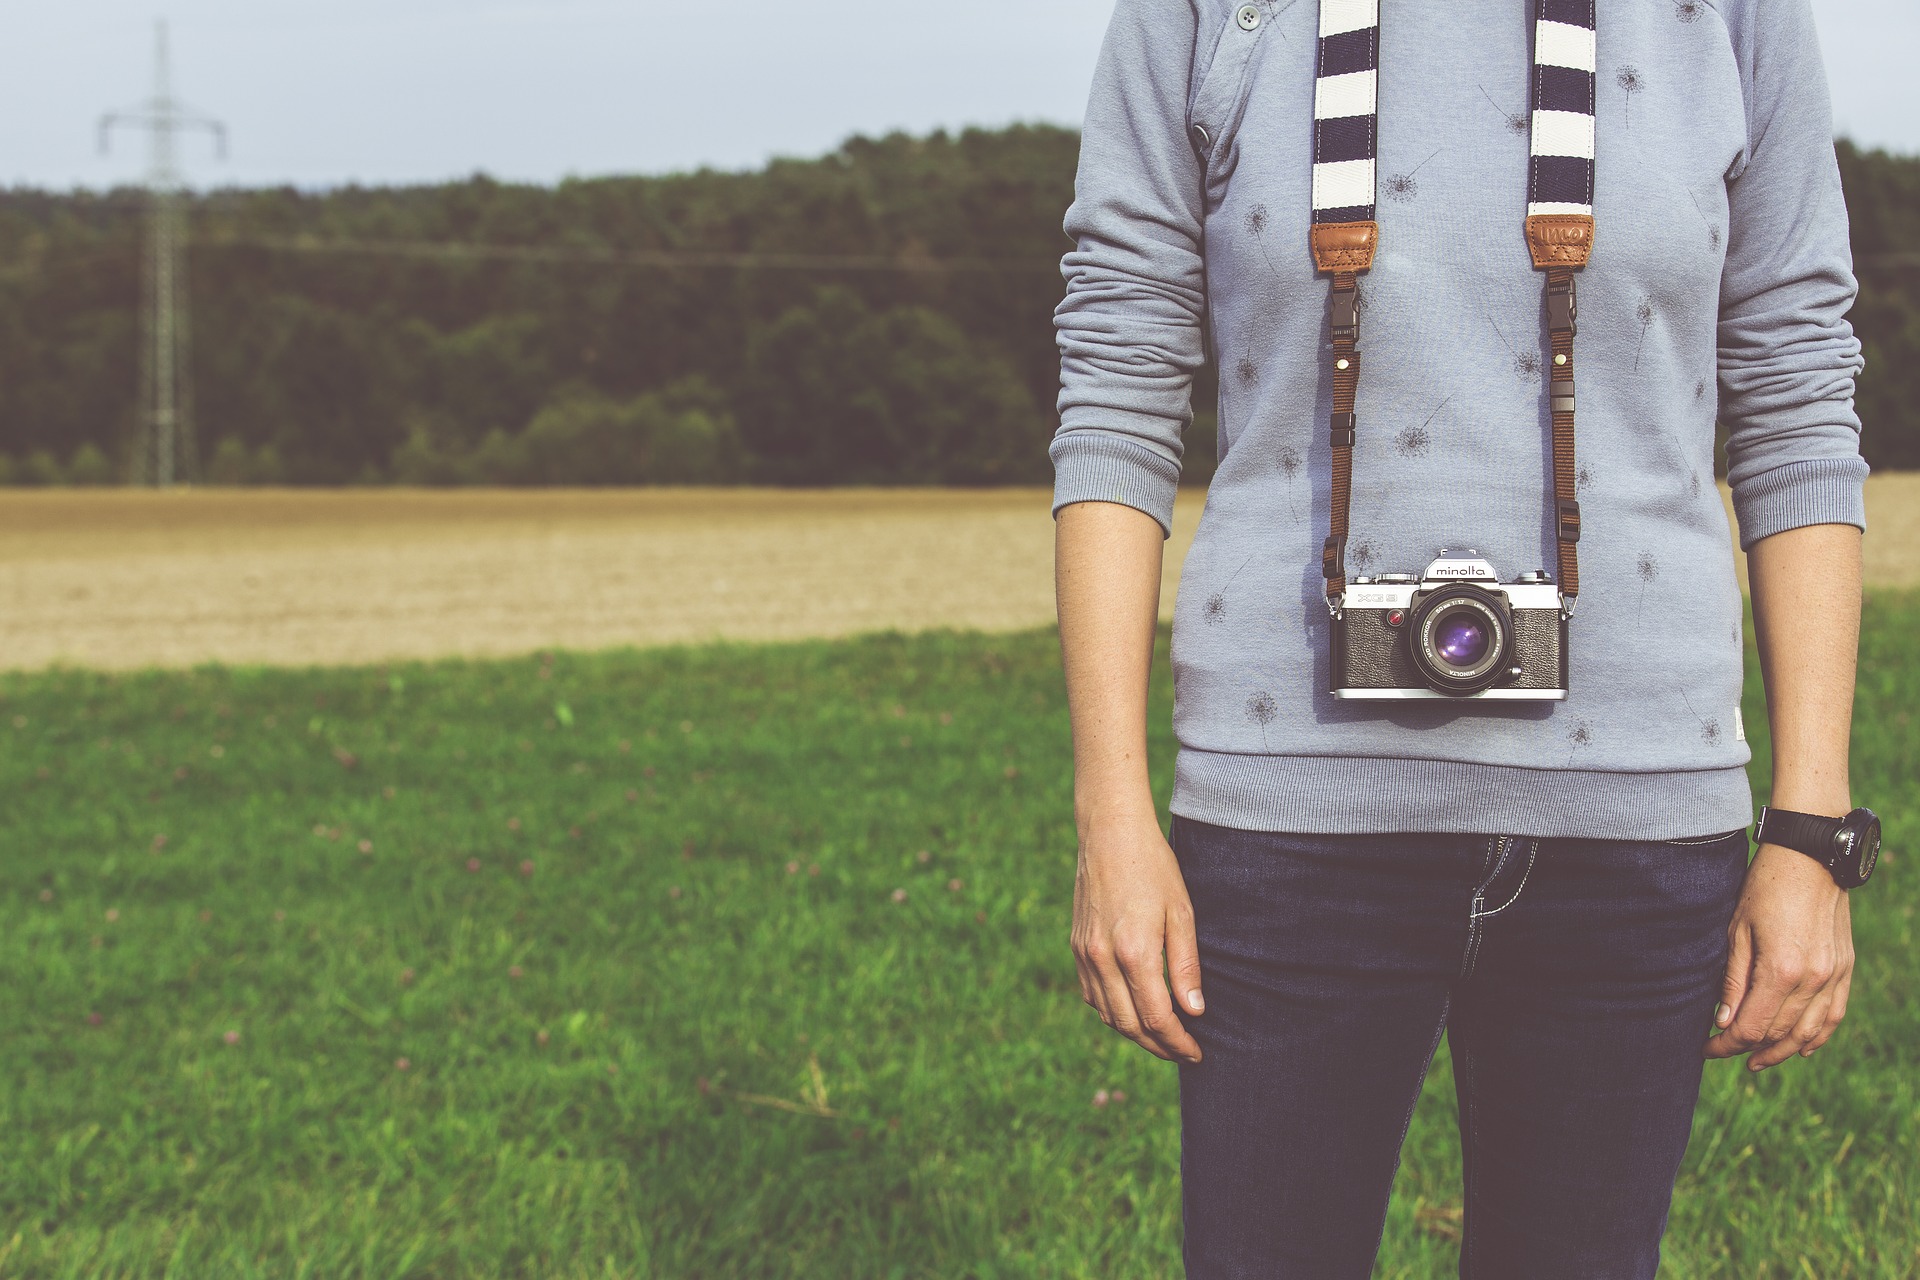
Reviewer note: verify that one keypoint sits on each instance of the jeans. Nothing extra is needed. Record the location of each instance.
(1575, 980)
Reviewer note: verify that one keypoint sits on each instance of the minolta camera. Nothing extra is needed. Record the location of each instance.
(1455, 631)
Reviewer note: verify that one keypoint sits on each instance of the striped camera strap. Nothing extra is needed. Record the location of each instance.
(1559, 227)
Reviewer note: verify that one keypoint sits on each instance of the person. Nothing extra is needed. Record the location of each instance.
(1554, 870)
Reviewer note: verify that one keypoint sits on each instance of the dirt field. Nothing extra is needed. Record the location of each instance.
(118, 578)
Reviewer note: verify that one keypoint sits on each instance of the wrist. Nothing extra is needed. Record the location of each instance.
(1781, 864)
(1117, 808)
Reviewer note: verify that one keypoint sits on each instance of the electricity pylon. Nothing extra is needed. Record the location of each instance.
(164, 450)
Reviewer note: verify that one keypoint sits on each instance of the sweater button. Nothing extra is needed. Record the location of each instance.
(1248, 17)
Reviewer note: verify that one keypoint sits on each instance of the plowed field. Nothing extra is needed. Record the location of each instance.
(123, 578)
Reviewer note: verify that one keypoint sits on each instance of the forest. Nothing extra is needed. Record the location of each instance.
(878, 315)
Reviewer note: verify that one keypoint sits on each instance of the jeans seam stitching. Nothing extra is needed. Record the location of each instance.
(1533, 851)
(1703, 839)
(1479, 897)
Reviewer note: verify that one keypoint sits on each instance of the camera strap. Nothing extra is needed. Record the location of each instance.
(1559, 229)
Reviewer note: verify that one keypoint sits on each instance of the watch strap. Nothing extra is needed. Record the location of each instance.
(1809, 833)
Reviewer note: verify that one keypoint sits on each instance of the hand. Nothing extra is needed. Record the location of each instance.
(1791, 961)
(1130, 905)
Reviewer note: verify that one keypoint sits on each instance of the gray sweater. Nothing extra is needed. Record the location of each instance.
(1718, 290)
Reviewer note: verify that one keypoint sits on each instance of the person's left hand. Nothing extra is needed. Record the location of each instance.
(1790, 962)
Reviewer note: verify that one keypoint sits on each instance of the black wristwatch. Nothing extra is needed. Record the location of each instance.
(1847, 847)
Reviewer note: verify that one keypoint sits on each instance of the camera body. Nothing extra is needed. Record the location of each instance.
(1453, 631)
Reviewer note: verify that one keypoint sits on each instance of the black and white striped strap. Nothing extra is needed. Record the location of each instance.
(1560, 176)
(1346, 111)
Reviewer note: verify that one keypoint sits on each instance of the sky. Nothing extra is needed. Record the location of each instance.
(400, 91)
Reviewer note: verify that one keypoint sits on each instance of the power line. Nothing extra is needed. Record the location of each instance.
(164, 451)
(696, 258)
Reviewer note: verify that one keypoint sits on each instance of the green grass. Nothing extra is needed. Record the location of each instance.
(632, 818)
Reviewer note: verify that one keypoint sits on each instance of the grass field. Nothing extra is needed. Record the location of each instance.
(123, 579)
(713, 962)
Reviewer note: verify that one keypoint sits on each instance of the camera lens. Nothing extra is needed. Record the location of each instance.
(1460, 638)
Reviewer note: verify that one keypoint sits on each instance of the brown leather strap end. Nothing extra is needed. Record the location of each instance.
(1559, 239)
(1344, 246)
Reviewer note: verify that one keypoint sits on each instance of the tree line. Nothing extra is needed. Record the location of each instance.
(879, 315)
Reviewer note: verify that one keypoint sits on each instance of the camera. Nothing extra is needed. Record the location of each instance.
(1453, 631)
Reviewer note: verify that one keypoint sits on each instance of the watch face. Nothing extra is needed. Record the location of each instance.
(1860, 843)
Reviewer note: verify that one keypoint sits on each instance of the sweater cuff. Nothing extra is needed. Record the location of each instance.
(1817, 491)
(1090, 465)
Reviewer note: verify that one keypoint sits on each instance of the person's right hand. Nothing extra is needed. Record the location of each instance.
(1130, 907)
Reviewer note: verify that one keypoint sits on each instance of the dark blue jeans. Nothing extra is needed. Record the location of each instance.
(1575, 980)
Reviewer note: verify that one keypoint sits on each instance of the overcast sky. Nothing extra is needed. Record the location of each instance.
(387, 91)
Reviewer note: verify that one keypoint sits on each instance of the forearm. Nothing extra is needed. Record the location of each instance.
(1107, 588)
(1806, 613)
